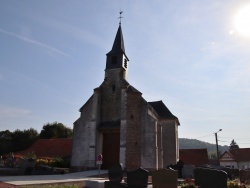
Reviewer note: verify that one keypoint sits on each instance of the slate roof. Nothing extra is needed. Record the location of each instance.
(241, 154)
(163, 111)
(197, 157)
(49, 148)
(118, 45)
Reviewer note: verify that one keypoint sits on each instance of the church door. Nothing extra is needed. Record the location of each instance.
(111, 149)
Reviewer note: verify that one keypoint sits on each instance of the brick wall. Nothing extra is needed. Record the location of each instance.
(133, 131)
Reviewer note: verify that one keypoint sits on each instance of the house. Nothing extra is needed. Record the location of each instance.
(49, 148)
(236, 158)
(117, 122)
(196, 157)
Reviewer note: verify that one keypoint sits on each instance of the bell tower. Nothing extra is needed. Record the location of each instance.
(116, 58)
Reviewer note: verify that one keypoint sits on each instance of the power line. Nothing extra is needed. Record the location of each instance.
(204, 136)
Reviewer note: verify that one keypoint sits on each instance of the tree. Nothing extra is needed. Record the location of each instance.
(5, 142)
(23, 139)
(55, 130)
(17, 140)
(212, 155)
(234, 145)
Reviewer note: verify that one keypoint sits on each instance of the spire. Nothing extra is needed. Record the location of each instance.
(117, 58)
(118, 45)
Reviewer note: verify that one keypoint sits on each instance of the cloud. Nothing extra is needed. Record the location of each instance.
(34, 42)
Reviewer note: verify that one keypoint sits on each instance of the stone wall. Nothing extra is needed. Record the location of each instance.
(81, 136)
(133, 131)
(159, 147)
(111, 96)
(169, 142)
(149, 123)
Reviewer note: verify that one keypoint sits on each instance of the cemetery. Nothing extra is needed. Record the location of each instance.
(191, 177)
(174, 176)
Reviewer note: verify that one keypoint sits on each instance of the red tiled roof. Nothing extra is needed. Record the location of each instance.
(241, 154)
(197, 157)
(49, 148)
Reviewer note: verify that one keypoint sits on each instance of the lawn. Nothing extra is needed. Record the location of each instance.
(57, 185)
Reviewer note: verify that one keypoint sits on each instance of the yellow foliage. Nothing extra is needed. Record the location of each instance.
(42, 161)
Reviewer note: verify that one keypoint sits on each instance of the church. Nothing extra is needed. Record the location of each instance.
(117, 122)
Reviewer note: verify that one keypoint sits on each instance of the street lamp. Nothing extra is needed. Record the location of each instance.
(217, 148)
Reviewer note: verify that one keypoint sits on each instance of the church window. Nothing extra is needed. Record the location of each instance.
(125, 63)
(114, 59)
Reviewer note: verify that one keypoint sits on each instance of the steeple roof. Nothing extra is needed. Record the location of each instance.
(118, 46)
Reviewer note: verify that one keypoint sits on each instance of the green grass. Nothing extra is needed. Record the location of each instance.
(51, 186)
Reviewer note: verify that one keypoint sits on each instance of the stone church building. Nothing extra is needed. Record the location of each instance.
(120, 124)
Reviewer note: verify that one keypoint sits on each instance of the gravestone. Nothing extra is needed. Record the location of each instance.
(235, 173)
(210, 178)
(137, 178)
(244, 176)
(164, 178)
(115, 174)
(178, 166)
(229, 171)
(188, 171)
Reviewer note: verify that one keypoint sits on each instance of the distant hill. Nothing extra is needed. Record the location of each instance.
(185, 143)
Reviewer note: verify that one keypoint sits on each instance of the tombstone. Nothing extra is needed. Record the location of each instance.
(235, 173)
(178, 166)
(229, 171)
(244, 176)
(137, 178)
(164, 178)
(210, 178)
(188, 171)
(115, 174)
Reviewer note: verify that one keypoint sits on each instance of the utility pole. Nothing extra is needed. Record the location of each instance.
(217, 147)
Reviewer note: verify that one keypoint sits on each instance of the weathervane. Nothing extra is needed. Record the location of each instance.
(120, 17)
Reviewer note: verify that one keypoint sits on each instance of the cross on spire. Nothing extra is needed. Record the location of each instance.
(120, 17)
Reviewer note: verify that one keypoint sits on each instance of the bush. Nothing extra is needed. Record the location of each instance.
(42, 162)
(188, 183)
(235, 184)
(59, 162)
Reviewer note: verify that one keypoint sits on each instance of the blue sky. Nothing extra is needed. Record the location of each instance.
(187, 53)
